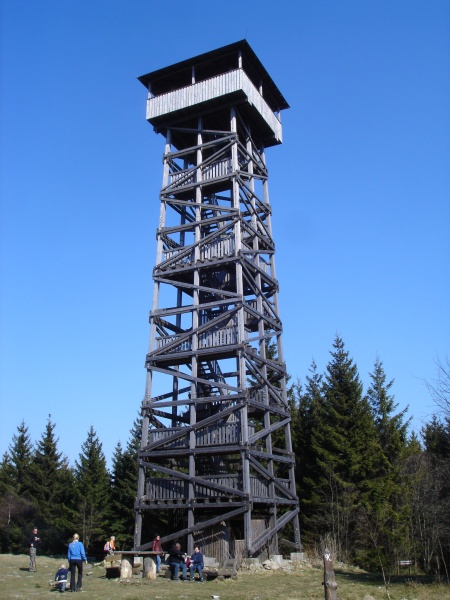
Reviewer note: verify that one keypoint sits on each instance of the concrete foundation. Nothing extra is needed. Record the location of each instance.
(298, 556)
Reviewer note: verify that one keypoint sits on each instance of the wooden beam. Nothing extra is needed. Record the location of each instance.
(197, 527)
(193, 479)
(281, 522)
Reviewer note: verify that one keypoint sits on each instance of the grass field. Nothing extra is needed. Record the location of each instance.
(304, 583)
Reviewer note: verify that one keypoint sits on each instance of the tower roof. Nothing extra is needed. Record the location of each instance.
(213, 63)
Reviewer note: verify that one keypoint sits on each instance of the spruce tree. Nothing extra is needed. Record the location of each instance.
(385, 516)
(7, 479)
(93, 491)
(436, 436)
(429, 476)
(306, 450)
(346, 447)
(17, 511)
(124, 479)
(52, 492)
(391, 428)
(21, 454)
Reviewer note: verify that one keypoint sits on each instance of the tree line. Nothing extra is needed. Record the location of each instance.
(38, 487)
(370, 489)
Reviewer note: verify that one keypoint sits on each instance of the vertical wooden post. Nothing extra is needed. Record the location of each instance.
(329, 581)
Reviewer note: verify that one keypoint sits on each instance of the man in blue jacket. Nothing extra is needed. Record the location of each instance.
(76, 555)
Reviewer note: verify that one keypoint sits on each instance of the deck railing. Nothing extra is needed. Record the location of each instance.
(172, 488)
(216, 249)
(225, 433)
(210, 339)
(215, 170)
(235, 81)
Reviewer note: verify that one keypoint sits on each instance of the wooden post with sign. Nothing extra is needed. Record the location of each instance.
(329, 581)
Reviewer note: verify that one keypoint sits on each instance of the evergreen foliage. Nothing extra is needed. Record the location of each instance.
(429, 478)
(307, 442)
(124, 478)
(346, 450)
(385, 515)
(6, 473)
(21, 455)
(391, 428)
(366, 487)
(52, 491)
(92, 492)
(17, 509)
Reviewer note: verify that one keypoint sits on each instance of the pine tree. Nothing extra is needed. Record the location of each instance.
(7, 479)
(21, 453)
(436, 436)
(17, 511)
(124, 486)
(428, 472)
(52, 492)
(346, 449)
(307, 451)
(386, 515)
(93, 491)
(391, 428)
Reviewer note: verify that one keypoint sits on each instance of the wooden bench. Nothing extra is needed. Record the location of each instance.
(113, 563)
(211, 567)
(209, 571)
(228, 568)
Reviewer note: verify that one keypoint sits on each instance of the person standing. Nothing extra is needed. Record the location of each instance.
(110, 547)
(156, 547)
(196, 564)
(76, 555)
(176, 560)
(33, 543)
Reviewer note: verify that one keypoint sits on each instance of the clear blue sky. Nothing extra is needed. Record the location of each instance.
(360, 193)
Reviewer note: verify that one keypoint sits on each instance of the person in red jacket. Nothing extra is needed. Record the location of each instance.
(156, 547)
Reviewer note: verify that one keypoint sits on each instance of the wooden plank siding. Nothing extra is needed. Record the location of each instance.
(228, 433)
(172, 488)
(216, 170)
(218, 248)
(210, 89)
(221, 337)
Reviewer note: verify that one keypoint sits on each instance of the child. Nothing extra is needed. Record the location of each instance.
(61, 578)
(196, 564)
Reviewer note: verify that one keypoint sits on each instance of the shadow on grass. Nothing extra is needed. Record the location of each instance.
(377, 578)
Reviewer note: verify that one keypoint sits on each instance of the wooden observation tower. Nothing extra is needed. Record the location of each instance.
(216, 447)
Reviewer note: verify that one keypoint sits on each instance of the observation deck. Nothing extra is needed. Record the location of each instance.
(212, 82)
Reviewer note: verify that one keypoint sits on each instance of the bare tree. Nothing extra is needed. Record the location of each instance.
(439, 387)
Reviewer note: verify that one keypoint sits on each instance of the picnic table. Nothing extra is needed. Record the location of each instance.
(121, 563)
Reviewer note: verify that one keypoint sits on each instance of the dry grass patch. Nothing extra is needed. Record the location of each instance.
(304, 582)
